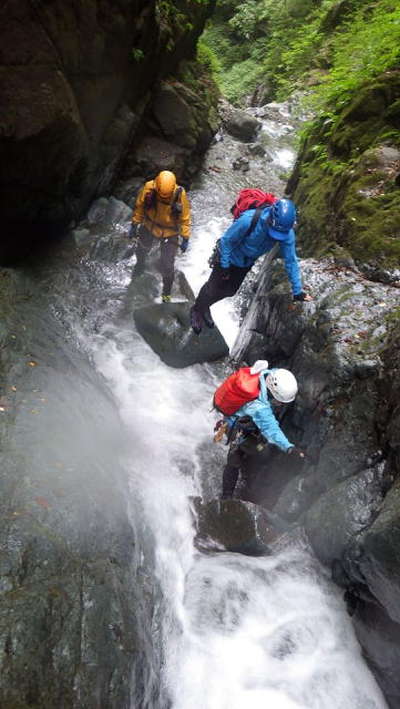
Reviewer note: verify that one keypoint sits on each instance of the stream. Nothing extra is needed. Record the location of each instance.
(221, 631)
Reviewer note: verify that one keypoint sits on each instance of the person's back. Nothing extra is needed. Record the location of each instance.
(281, 385)
(239, 247)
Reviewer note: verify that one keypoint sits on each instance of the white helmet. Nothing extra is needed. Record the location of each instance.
(282, 385)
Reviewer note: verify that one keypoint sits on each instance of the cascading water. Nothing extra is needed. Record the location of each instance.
(226, 631)
(236, 632)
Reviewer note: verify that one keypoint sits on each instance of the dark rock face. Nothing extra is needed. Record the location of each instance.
(233, 525)
(239, 123)
(76, 81)
(67, 563)
(344, 349)
(166, 328)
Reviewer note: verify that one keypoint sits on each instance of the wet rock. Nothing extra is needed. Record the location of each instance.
(342, 513)
(241, 164)
(233, 525)
(344, 350)
(77, 88)
(274, 111)
(112, 248)
(166, 328)
(109, 211)
(154, 153)
(127, 191)
(378, 563)
(80, 236)
(172, 109)
(379, 637)
(239, 123)
(66, 564)
(256, 149)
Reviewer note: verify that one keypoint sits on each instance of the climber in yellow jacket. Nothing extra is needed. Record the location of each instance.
(162, 214)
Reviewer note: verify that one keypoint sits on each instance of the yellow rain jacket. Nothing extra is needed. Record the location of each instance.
(159, 218)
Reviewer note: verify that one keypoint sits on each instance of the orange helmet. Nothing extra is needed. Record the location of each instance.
(165, 184)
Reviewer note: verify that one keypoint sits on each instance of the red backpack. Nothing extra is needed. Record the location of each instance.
(239, 388)
(251, 199)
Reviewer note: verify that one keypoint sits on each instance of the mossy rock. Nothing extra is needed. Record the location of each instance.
(346, 181)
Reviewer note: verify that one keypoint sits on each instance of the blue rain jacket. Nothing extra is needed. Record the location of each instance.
(260, 411)
(236, 250)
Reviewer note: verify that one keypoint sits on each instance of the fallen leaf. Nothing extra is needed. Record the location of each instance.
(34, 411)
(32, 364)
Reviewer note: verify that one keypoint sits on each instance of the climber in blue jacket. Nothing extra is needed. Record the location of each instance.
(240, 247)
(254, 425)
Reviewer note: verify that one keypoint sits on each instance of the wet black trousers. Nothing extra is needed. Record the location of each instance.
(236, 456)
(168, 249)
(216, 288)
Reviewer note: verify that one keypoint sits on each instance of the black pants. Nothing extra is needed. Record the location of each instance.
(216, 288)
(168, 249)
(236, 456)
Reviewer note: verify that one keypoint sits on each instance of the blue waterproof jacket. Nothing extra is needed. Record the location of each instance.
(260, 411)
(237, 249)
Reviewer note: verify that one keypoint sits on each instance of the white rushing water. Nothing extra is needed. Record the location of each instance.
(237, 632)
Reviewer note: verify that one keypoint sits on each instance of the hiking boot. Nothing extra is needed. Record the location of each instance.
(196, 320)
(207, 317)
(166, 298)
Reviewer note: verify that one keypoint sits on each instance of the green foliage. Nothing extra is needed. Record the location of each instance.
(241, 79)
(343, 44)
(368, 45)
(174, 21)
(207, 58)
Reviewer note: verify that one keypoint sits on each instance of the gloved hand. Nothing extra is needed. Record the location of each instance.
(302, 296)
(225, 274)
(184, 244)
(294, 450)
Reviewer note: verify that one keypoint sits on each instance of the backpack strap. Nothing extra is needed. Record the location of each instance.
(176, 206)
(150, 199)
(177, 195)
(254, 221)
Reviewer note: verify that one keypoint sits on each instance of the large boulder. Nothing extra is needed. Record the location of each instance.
(343, 512)
(239, 123)
(77, 83)
(233, 525)
(166, 328)
(378, 551)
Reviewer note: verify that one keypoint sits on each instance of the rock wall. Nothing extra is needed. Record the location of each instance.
(77, 82)
(344, 349)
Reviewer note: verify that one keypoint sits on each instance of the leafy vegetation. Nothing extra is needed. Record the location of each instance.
(343, 55)
(292, 43)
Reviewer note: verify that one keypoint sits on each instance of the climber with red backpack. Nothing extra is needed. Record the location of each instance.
(161, 215)
(246, 399)
(254, 232)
